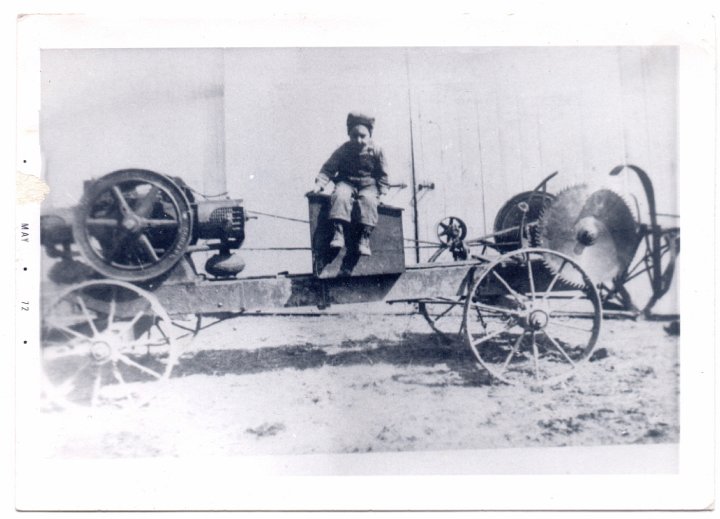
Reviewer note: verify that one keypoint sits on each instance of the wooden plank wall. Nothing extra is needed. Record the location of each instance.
(509, 117)
(487, 123)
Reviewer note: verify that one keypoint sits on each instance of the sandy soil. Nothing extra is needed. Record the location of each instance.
(359, 383)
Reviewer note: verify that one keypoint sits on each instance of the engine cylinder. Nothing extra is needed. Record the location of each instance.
(221, 220)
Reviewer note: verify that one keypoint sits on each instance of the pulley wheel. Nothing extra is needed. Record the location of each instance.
(451, 229)
(133, 225)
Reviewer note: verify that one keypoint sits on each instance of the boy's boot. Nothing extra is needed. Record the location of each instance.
(338, 239)
(364, 244)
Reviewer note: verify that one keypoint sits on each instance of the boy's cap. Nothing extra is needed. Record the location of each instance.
(355, 118)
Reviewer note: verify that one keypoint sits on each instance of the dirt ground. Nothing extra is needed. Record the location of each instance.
(344, 383)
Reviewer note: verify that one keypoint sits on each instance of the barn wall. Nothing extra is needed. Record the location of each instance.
(109, 109)
(487, 123)
(285, 115)
(493, 123)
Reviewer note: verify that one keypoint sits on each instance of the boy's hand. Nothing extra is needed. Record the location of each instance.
(317, 188)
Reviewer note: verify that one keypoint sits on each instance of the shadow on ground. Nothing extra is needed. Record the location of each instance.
(410, 350)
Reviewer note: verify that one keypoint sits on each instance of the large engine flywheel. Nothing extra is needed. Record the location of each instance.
(594, 228)
(133, 224)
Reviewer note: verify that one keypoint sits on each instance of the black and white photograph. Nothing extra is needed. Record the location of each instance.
(359, 259)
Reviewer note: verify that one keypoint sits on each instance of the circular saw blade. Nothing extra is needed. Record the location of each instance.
(595, 228)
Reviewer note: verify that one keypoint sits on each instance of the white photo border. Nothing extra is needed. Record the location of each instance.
(415, 481)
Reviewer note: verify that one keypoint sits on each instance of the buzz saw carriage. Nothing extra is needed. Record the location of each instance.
(125, 295)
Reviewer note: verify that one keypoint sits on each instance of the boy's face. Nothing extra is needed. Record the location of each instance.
(359, 136)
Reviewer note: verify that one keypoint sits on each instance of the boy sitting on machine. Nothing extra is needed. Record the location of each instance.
(359, 171)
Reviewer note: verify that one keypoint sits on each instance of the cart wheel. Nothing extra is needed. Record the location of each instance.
(525, 325)
(102, 341)
(444, 316)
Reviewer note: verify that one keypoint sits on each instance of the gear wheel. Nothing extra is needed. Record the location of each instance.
(593, 227)
(517, 212)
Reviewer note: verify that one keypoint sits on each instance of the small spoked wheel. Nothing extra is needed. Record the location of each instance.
(444, 315)
(106, 344)
(525, 324)
(451, 229)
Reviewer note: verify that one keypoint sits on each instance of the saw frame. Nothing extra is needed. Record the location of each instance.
(538, 218)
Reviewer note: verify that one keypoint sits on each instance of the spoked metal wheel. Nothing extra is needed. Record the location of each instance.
(451, 231)
(133, 225)
(444, 315)
(102, 342)
(184, 329)
(525, 324)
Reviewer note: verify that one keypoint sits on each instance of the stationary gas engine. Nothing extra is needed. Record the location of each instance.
(136, 225)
